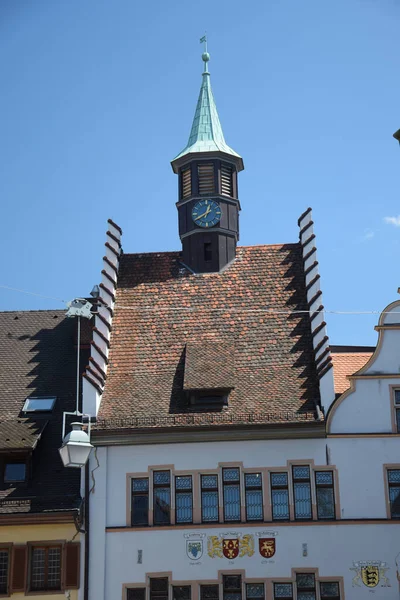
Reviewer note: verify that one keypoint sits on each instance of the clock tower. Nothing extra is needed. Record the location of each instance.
(208, 203)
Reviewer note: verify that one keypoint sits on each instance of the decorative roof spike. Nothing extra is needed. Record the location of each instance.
(206, 134)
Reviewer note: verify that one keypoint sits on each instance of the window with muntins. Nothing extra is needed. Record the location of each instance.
(329, 590)
(280, 497)
(140, 501)
(305, 584)
(232, 587)
(393, 476)
(205, 173)
(396, 399)
(209, 499)
(181, 592)
(45, 568)
(209, 592)
(136, 594)
(159, 588)
(183, 499)
(255, 591)
(161, 497)
(283, 591)
(325, 494)
(253, 495)
(231, 493)
(302, 493)
(4, 570)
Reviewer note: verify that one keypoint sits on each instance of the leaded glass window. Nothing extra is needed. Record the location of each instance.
(232, 587)
(253, 494)
(305, 583)
(254, 591)
(181, 592)
(325, 494)
(231, 489)
(183, 499)
(394, 492)
(46, 568)
(159, 588)
(329, 590)
(136, 594)
(283, 590)
(140, 501)
(280, 497)
(209, 592)
(302, 492)
(209, 499)
(4, 566)
(161, 497)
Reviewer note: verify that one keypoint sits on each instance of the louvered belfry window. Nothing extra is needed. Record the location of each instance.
(186, 182)
(226, 180)
(206, 178)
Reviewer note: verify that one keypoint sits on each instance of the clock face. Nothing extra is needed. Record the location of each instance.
(206, 213)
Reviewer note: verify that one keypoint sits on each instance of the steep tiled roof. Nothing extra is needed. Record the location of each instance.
(347, 360)
(161, 307)
(38, 358)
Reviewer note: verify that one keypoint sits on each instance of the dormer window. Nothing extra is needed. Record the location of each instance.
(38, 405)
(14, 472)
(206, 178)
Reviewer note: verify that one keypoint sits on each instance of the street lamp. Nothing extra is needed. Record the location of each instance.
(76, 447)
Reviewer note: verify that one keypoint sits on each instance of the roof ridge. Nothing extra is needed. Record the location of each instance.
(38, 310)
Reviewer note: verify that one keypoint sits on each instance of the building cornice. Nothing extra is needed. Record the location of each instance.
(38, 518)
(134, 437)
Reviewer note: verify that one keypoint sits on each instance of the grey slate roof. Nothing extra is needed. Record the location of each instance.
(38, 358)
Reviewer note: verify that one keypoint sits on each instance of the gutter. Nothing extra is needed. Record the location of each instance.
(86, 527)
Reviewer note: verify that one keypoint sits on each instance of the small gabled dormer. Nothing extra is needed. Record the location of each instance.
(209, 374)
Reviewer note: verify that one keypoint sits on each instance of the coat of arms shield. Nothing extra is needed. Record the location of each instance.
(267, 547)
(370, 575)
(230, 547)
(194, 549)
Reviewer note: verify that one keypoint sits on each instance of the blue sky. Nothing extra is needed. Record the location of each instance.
(98, 96)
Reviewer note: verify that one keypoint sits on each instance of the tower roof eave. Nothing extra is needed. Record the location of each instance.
(206, 150)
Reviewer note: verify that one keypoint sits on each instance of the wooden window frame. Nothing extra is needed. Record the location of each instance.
(8, 547)
(46, 545)
(386, 469)
(217, 520)
(395, 407)
(300, 480)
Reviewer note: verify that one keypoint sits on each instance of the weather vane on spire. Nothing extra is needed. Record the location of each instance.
(205, 56)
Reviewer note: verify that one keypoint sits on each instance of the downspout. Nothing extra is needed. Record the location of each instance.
(87, 538)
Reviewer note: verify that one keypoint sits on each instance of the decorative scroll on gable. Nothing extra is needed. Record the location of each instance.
(96, 371)
(314, 298)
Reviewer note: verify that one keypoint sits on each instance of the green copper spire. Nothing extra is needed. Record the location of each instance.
(206, 134)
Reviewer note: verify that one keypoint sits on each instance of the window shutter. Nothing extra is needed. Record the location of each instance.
(186, 182)
(18, 574)
(72, 565)
(226, 180)
(206, 178)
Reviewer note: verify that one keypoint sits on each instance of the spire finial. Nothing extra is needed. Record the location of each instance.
(205, 56)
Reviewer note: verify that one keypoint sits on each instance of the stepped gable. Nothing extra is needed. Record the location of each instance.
(161, 307)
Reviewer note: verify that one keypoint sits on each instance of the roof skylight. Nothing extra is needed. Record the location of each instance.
(35, 405)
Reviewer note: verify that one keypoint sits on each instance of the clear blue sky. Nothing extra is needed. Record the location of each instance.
(98, 96)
